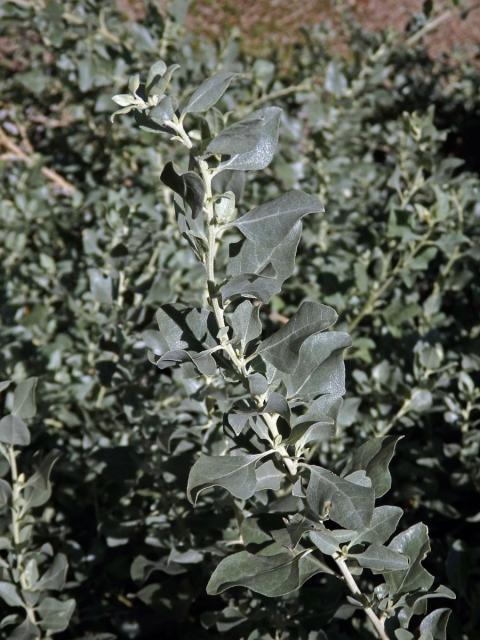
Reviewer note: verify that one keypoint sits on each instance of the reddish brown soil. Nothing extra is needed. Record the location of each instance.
(278, 21)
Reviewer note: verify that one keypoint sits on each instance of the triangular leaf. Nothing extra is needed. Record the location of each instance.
(236, 474)
(269, 223)
(271, 576)
(208, 93)
(282, 348)
(250, 143)
(348, 504)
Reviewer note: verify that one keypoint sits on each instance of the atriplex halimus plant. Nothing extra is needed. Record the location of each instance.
(272, 400)
(29, 572)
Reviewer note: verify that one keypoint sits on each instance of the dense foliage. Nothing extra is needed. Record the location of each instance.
(375, 133)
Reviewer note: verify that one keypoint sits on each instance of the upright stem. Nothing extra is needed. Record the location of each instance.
(16, 520)
(377, 623)
(237, 359)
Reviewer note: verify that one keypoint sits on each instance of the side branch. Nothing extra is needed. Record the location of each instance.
(50, 174)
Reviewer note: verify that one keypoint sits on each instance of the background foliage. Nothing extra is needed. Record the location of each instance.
(385, 136)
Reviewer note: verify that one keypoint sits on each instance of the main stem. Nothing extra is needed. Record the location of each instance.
(237, 360)
(16, 519)
(377, 623)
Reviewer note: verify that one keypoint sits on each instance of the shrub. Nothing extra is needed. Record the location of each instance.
(84, 274)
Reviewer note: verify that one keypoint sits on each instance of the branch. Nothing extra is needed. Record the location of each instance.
(430, 26)
(50, 174)
(377, 623)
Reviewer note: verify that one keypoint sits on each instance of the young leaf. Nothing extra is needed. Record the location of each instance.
(236, 474)
(269, 223)
(250, 143)
(188, 186)
(348, 504)
(272, 576)
(282, 348)
(208, 93)
(163, 111)
(156, 71)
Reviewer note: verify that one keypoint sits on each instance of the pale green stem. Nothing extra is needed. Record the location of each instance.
(377, 623)
(16, 519)
(237, 359)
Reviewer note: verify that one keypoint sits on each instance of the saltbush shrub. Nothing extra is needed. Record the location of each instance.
(375, 133)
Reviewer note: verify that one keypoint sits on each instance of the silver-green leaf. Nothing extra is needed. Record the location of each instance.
(272, 576)
(250, 143)
(282, 348)
(236, 474)
(348, 504)
(269, 223)
(208, 93)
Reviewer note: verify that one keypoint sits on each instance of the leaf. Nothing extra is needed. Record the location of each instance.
(270, 576)
(55, 614)
(250, 143)
(10, 595)
(434, 626)
(420, 400)
(25, 631)
(185, 557)
(259, 271)
(55, 576)
(100, 286)
(282, 348)
(269, 223)
(24, 399)
(348, 504)
(320, 369)
(380, 558)
(5, 492)
(304, 433)
(208, 93)
(124, 99)
(236, 474)
(414, 544)
(382, 525)
(374, 457)
(417, 603)
(38, 489)
(134, 83)
(325, 542)
(269, 477)
(156, 71)
(13, 430)
(189, 186)
(171, 335)
(4, 384)
(163, 111)
(245, 321)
